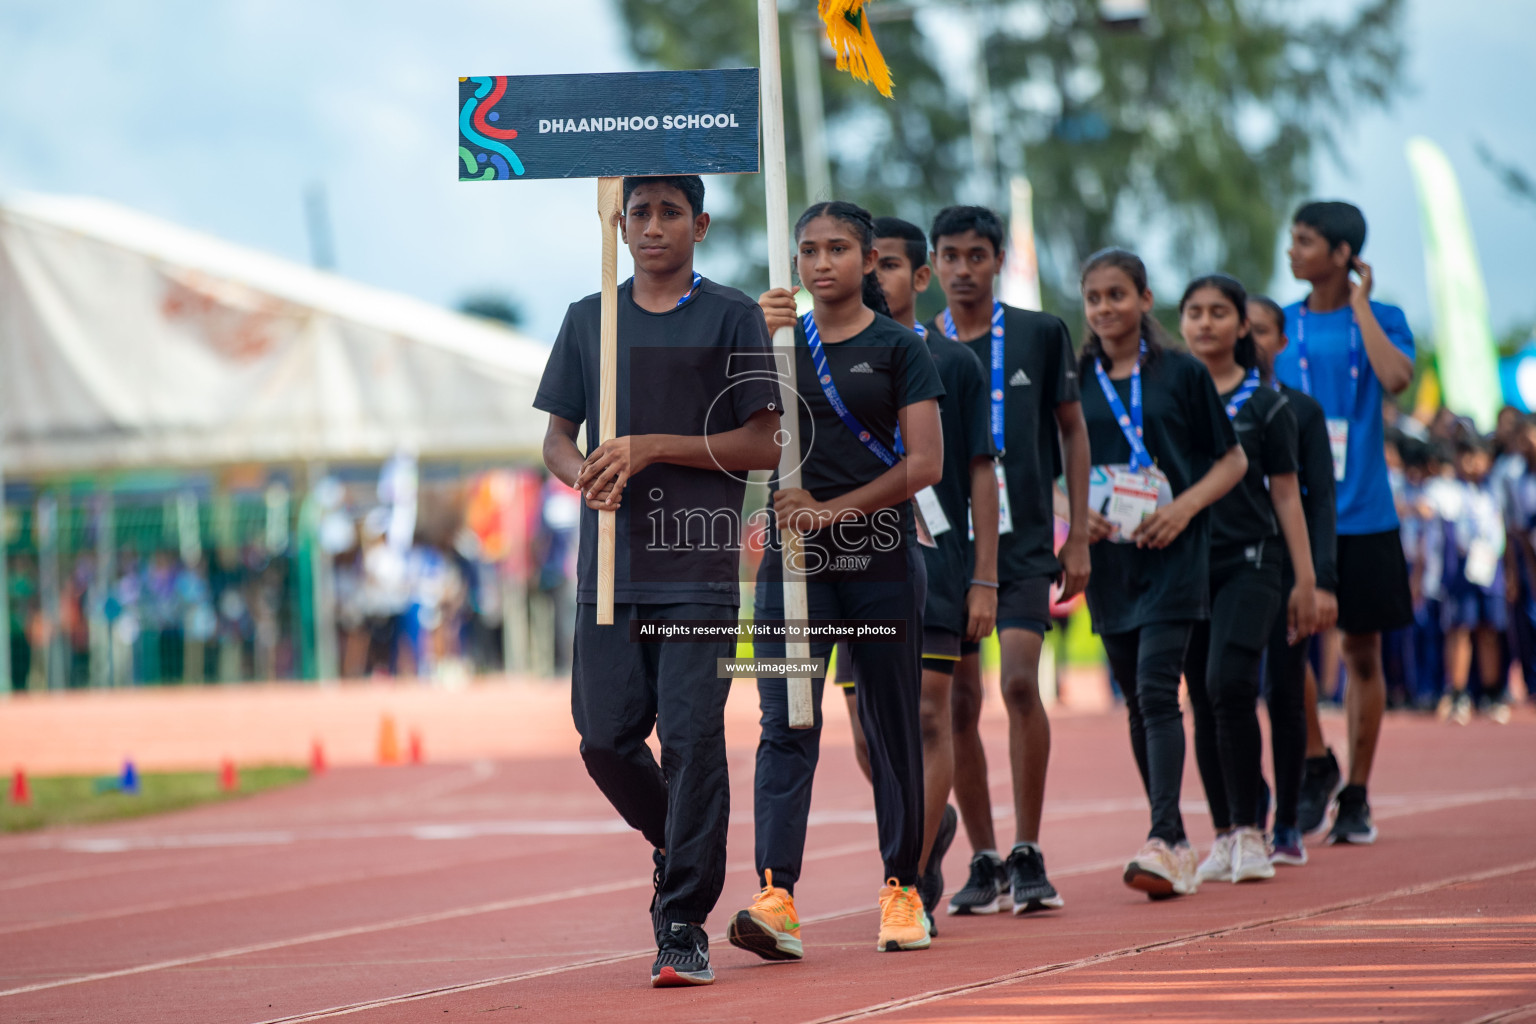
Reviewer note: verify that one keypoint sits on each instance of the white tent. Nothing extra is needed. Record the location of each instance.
(129, 342)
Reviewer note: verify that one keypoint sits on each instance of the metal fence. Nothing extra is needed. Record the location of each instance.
(177, 580)
(112, 589)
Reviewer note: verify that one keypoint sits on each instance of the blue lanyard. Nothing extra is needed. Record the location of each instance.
(828, 388)
(1306, 362)
(1244, 392)
(692, 288)
(1130, 422)
(947, 324)
(922, 332)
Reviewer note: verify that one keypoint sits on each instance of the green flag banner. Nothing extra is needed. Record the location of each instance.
(1465, 352)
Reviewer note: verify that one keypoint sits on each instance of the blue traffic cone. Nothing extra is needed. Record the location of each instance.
(129, 782)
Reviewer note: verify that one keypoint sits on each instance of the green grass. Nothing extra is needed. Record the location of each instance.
(82, 799)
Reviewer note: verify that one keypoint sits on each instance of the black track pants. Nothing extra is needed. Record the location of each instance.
(1146, 662)
(1222, 672)
(890, 689)
(620, 691)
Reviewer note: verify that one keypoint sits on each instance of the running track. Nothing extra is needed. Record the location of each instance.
(508, 891)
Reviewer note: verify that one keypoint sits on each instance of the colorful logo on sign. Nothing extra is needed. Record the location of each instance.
(476, 125)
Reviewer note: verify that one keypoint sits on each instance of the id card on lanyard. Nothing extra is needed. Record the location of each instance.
(1135, 491)
(995, 413)
(868, 440)
(1338, 426)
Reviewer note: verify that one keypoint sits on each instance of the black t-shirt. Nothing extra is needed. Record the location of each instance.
(963, 412)
(877, 372)
(686, 371)
(1185, 429)
(1314, 471)
(1039, 373)
(1266, 428)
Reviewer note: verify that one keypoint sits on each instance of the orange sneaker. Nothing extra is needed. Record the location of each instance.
(903, 924)
(769, 927)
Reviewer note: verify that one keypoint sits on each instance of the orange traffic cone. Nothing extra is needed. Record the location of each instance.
(229, 779)
(389, 741)
(415, 748)
(21, 792)
(316, 759)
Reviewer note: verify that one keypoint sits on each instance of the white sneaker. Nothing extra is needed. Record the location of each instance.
(1217, 866)
(1161, 872)
(1187, 871)
(1250, 856)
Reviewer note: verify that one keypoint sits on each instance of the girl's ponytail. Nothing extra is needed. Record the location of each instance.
(863, 224)
(874, 295)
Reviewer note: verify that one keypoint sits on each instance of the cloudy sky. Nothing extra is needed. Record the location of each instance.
(219, 115)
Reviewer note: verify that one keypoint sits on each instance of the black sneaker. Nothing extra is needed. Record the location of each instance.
(1026, 876)
(984, 889)
(1320, 783)
(682, 957)
(1353, 824)
(931, 886)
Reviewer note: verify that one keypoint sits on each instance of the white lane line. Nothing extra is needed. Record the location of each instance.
(1508, 1015)
(379, 926)
(327, 936)
(1385, 806)
(258, 893)
(1080, 869)
(494, 907)
(639, 954)
(102, 871)
(1093, 960)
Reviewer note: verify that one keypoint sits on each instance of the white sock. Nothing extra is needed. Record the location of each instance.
(1026, 845)
(990, 854)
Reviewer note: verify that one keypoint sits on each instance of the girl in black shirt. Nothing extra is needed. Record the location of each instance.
(1222, 666)
(870, 426)
(1163, 450)
(1285, 663)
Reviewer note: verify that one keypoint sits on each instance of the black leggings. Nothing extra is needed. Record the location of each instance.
(1222, 672)
(1146, 663)
(890, 692)
(1285, 670)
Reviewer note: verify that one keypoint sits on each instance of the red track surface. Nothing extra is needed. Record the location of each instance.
(508, 890)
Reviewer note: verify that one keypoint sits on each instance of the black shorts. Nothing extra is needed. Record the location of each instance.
(942, 651)
(1373, 583)
(1025, 604)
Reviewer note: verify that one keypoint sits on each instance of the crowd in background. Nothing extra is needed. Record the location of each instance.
(434, 607)
(1467, 504)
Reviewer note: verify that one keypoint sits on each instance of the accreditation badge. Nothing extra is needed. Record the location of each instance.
(1126, 497)
(933, 512)
(1338, 444)
(1004, 509)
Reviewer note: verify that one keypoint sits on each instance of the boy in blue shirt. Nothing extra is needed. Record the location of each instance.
(1349, 353)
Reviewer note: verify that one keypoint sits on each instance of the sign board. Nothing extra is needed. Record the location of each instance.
(611, 125)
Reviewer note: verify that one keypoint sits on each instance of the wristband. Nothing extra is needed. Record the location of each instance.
(983, 583)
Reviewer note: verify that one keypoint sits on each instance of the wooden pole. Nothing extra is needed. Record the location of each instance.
(609, 195)
(802, 711)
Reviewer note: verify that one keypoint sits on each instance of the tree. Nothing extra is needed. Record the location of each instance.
(1515, 179)
(1197, 130)
(493, 306)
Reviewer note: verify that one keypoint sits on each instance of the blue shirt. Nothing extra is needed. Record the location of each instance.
(1364, 495)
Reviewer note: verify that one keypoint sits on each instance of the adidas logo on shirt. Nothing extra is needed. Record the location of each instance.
(861, 368)
(1019, 378)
